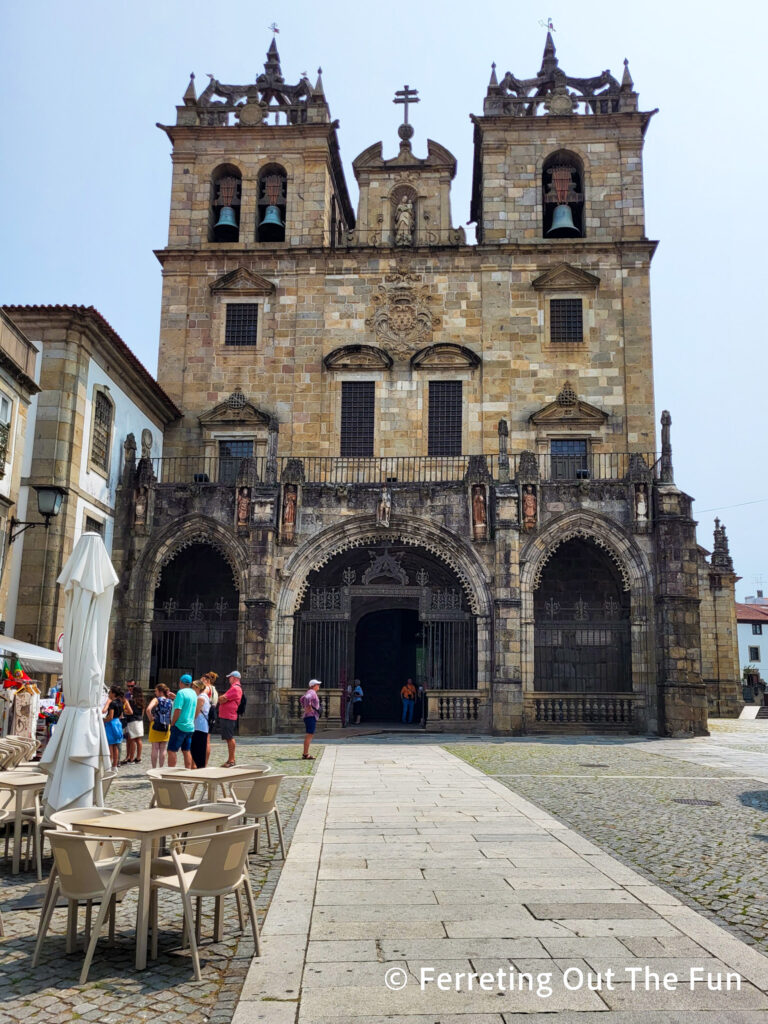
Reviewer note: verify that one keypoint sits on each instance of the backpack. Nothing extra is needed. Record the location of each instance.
(161, 717)
(242, 706)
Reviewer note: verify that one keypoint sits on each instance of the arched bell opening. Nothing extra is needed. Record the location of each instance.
(195, 616)
(226, 194)
(382, 614)
(563, 195)
(582, 636)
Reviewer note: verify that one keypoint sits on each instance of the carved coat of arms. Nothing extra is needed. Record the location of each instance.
(402, 318)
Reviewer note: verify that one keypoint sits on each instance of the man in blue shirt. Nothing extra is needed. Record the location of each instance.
(182, 723)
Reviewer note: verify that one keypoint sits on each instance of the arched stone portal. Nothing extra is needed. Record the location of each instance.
(589, 566)
(582, 631)
(382, 613)
(195, 616)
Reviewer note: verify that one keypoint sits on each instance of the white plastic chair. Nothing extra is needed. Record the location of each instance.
(223, 869)
(80, 876)
(259, 799)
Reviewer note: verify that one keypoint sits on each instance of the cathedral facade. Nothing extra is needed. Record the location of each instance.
(402, 455)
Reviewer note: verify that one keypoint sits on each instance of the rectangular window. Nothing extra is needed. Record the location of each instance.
(754, 654)
(566, 322)
(569, 460)
(5, 410)
(231, 454)
(93, 526)
(102, 430)
(757, 629)
(445, 409)
(358, 403)
(242, 321)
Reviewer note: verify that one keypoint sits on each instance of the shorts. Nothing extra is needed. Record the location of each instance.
(227, 728)
(134, 730)
(310, 723)
(179, 740)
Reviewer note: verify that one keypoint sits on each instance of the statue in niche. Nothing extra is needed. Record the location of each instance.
(529, 507)
(243, 506)
(146, 444)
(641, 503)
(384, 508)
(405, 221)
(290, 498)
(140, 511)
(479, 513)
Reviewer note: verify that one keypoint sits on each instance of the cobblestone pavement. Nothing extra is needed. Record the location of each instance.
(698, 831)
(165, 993)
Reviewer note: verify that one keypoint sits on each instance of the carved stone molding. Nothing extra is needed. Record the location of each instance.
(358, 357)
(402, 318)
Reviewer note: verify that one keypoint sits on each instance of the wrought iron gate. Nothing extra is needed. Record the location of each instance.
(582, 657)
(194, 639)
(319, 650)
(450, 654)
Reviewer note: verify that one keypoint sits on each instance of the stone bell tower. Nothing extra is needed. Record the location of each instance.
(256, 171)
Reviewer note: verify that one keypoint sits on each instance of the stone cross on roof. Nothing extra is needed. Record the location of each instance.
(405, 96)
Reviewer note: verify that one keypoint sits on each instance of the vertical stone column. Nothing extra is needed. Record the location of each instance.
(682, 694)
(507, 689)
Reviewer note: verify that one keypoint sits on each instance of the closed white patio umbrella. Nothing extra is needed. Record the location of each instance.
(78, 754)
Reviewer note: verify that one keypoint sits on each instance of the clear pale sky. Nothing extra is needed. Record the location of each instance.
(85, 173)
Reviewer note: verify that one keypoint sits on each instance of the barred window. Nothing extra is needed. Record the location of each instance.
(445, 409)
(102, 430)
(242, 321)
(358, 404)
(231, 454)
(93, 526)
(569, 460)
(757, 629)
(566, 321)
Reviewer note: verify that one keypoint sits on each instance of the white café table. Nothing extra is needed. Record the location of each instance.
(215, 777)
(149, 826)
(20, 783)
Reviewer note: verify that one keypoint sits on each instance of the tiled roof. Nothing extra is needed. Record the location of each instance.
(108, 330)
(751, 612)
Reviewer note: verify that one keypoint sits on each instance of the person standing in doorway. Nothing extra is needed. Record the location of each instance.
(408, 699)
(357, 702)
(228, 704)
(310, 704)
(182, 723)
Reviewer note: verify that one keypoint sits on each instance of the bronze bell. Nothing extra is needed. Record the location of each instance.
(225, 229)
(562, 220)
(272, 216)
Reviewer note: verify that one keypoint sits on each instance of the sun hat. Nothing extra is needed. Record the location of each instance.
(233, 675)
(314, 682)
(186, 679)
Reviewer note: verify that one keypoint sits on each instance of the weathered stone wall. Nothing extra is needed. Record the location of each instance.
(720, 666)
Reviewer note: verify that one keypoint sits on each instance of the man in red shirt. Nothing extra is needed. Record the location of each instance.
(227, 712)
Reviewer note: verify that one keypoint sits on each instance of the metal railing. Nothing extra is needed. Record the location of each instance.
(339, 470)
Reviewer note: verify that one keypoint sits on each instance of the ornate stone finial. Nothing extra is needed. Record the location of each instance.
(190, 96)
(319, 91)
(129, 448)
(626, 78)
(494, 80)
(721, 556)
(236, 400)
(272, 68)
(667, 474)
(549, 59)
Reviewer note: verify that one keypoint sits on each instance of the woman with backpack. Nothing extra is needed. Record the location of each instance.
(158, 712)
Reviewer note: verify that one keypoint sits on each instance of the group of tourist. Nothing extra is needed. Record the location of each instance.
(177, 722)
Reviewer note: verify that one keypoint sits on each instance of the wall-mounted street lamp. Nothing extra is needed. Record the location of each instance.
(49, 501)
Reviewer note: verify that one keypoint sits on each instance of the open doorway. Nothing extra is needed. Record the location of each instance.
(387, 652)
